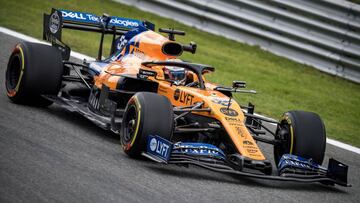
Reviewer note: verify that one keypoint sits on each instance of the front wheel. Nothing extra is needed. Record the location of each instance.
(301, 133)
(145, 114)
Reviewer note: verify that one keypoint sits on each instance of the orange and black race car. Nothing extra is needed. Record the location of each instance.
(163, 108)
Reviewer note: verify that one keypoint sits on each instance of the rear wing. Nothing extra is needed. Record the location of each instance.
(58, 19)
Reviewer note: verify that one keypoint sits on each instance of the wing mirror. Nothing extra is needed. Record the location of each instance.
(190, 48)
(239, 84)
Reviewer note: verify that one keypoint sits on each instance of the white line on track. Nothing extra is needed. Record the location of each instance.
(343, 145)
(31, 39)
(88, 58)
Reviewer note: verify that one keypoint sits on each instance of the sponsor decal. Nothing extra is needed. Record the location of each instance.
(239, 131)
(235, 122)
(183, 97)
(91, 18)
(233, 119)
(153, 144)
(292, 163)
(147, 72)
(137, 52)
(246, 142)
(203, 149)
(228, 111)
(250, 147)
(223, 102)
(123, 22)
(54, 23)
(252, 151)
(177, 94)
(122, 42)
(79, 16)
(159, 147)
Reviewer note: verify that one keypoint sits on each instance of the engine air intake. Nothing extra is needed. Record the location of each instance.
(172, 49)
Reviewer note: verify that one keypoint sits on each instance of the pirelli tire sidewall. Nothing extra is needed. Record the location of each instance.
(132, 144)
(41, 73)
(306, 136)
(154, 117)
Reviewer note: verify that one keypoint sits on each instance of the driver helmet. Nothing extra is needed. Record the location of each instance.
(175, 74)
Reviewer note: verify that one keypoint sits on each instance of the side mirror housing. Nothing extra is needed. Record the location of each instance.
(190, 48)
(239, 84)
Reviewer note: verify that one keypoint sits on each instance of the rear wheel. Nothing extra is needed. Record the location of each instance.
(145, 114)
(302, 134)
(33, 70)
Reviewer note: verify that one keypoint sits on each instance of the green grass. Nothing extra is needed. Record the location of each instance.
(281, 83)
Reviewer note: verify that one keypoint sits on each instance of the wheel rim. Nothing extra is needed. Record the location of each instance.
(282, 134)
(129, 129)
(13, 72)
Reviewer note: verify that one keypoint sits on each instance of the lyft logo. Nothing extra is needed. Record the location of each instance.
(159, 147)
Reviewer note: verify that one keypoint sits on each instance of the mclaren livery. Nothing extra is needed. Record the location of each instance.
(162, 107)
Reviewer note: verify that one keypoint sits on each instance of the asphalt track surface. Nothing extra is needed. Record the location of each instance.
(49, 154)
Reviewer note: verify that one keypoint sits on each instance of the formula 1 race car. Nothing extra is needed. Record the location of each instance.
(163, 108)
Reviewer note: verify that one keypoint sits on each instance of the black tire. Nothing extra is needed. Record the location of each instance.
(33, 70)
(302, 134)
(145, 114)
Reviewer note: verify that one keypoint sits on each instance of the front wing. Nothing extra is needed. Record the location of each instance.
(291, 167)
